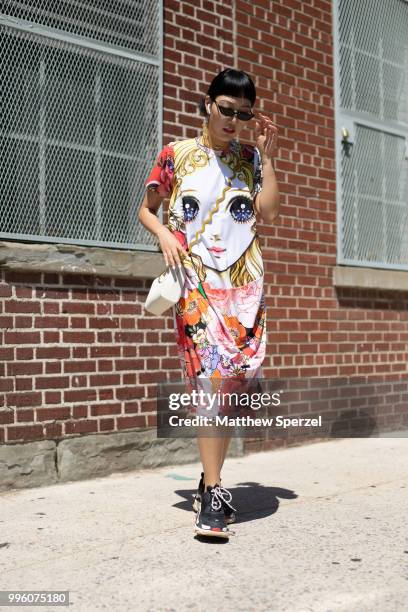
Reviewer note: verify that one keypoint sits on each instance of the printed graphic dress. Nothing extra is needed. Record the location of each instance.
(220, 318)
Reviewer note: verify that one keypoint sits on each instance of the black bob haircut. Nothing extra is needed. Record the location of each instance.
(230, 82)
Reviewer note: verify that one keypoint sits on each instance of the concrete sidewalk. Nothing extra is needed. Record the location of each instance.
(322, 527)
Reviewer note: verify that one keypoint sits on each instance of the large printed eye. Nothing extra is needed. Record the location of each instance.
(190, 208)
(241, 209)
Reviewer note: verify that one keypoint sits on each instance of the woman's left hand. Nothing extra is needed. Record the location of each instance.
(266, 134)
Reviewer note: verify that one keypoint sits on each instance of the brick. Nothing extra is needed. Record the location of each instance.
(51, 322)
(79, 412)
(24, 432)
(53, 430)
(126, 393)
(82, 426)
(6, 322)
(24, 368)
(102, 380)
(131, 421)
(48, 414)
(5, 291)
(75, 337)
(80, 395)
(22, 338)
(6, 417)
(52, 382)
(106, 424)
(23, 399)
(20, 306)
(78, 308)
(105, 409)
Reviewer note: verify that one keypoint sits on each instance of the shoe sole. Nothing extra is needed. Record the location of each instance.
(212, 534)
(197, 508)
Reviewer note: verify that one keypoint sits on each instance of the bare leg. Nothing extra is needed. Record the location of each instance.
(211, 452)
(226, 442)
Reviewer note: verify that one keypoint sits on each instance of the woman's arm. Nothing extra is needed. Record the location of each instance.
(267, 200)
(171, 248)
(148, 212)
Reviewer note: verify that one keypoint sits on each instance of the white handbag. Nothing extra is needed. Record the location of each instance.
(165, 290)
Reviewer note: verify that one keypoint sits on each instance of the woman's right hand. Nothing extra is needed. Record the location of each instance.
(172, 250)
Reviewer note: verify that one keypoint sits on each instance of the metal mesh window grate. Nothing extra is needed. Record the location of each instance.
(81, 120)
(372, 104)
(130, 24)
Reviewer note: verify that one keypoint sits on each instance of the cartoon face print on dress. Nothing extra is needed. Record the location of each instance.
(229, 233)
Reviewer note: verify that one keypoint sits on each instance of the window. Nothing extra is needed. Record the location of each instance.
(371, 77)
(81, 120)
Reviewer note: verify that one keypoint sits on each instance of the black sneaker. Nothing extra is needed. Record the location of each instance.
(199, 494)
(229, 511)
(210, 519)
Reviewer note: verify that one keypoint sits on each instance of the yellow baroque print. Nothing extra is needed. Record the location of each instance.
(188, 158)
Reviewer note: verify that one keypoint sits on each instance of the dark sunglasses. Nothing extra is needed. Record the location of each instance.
(230, 112)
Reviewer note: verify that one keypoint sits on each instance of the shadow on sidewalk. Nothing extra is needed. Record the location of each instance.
(251, 499)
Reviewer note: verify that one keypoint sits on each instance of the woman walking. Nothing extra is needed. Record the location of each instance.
(217, 187)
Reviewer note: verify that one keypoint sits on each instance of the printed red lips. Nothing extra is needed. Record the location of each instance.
(216, 250)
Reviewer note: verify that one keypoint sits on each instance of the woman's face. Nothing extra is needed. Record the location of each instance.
(229, 233)
(222, 128)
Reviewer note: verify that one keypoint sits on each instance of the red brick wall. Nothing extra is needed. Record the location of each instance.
(79, 356)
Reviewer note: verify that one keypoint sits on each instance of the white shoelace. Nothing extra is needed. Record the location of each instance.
(218, 494)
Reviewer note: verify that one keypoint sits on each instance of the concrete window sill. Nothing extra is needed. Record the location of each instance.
(73, 259)
(370, 278)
